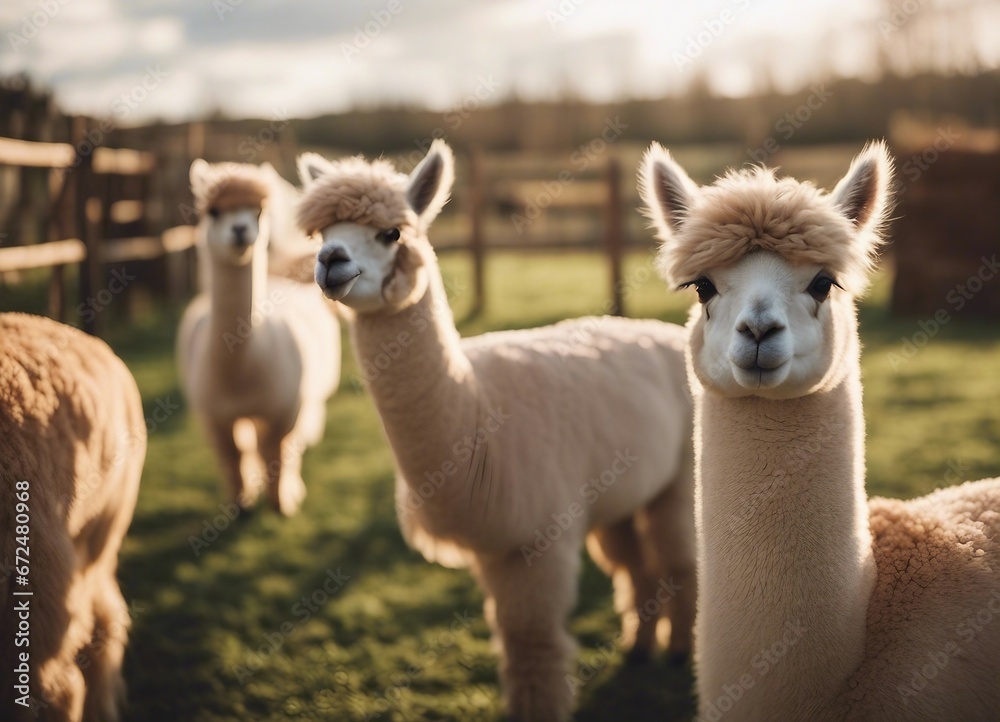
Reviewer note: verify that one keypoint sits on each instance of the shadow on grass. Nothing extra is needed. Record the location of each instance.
(651, 691)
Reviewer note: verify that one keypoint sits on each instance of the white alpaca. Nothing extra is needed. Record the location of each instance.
(259, 355)
(72, 444)
(512, 447)
(815, 604)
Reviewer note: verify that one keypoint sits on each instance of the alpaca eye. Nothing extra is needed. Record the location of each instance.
(705, 288)
(389, 236)
(214, 212)
(821, 286)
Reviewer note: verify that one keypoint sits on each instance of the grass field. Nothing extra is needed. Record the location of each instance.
(224, 635)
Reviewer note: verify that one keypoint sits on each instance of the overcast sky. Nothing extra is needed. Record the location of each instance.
(268, 58)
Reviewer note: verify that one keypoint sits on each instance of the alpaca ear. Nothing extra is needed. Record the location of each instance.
(429, 186)
(198, 174)
(312, 166)
(666, 190)
(863, 194)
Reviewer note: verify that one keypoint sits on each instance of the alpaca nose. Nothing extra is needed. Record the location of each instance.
(240, 232)
(328, 255)
(760, 329)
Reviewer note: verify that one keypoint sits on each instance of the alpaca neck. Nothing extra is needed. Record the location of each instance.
(787, 567)
(423, 386)
(236, 293)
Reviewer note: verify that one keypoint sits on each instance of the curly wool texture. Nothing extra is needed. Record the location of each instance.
(355, 191)
(747, 210)
(72, 427)
(231, 185)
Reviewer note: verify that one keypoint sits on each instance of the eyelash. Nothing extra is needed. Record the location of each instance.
(706, 289)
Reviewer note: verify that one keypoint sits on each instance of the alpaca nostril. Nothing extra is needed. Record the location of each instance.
(759, 332)
(333, 254)
(240, 232)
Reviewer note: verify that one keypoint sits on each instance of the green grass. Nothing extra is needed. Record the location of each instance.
(199, 618)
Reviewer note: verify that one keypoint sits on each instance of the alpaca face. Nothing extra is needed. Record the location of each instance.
(232, 234)
(355, 263)
(776, 264)
(766, 327)
(364, 267)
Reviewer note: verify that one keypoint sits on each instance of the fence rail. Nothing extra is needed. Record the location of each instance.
(84, 185)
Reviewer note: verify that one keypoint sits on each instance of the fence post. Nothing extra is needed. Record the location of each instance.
(613, 240)
(477, 240)
(90, 267)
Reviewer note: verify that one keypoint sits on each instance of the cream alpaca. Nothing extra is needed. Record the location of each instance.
(259, 355)
(815, 604)
(500, 436)
(72, 443)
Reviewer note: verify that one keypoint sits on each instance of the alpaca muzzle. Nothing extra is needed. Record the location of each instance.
(336, 272)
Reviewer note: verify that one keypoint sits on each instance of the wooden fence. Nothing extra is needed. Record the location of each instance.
(509, 202)
(508, 209)
(87, 189)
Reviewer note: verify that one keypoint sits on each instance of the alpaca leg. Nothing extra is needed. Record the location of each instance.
(283, 456)
(230, 459)
(103, 656)
(530, 607)
(667, 524)
(618, 551)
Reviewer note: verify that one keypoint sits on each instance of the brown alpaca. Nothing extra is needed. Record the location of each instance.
(71, 426)
(815, 604)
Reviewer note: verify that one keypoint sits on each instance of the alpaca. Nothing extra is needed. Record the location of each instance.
(72, 445)
(815, 603)
(511, 447)
(259, 356)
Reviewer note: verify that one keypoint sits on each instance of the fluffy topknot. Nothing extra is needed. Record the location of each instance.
(353, 190)
(228, 185)
(752, 209)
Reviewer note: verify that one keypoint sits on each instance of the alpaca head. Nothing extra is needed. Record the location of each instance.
(776, 263)
(230, 198)
(373, 222)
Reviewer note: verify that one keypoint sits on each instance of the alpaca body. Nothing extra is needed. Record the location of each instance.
(259, 356)
(521, 391)
(931, 650)
(814, 603)
(514, 447)
(72, 426)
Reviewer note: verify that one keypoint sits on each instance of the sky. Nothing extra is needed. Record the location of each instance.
(173, 60)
